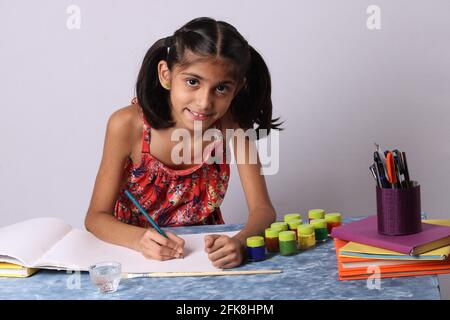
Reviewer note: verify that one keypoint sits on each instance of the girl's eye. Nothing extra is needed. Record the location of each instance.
(221, 89)
(192, 82)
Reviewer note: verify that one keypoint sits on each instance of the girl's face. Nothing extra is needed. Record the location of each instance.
(201, 91)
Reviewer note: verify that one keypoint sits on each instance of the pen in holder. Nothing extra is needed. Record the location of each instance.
(399, 211)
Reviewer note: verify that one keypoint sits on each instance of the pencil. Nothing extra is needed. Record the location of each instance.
(152, 222)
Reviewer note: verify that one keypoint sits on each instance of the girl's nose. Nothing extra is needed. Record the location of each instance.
(204, 99)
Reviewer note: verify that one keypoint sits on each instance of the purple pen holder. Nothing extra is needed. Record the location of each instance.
(398, 211)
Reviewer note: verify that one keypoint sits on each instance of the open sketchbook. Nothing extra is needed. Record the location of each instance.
(50, 243)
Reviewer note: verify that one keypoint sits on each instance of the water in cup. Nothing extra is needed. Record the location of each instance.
(106, 276)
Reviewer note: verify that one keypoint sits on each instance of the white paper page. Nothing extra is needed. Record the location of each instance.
(80, 249)
(28, 240)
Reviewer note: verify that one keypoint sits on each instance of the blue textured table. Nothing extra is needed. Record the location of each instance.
(310, 274)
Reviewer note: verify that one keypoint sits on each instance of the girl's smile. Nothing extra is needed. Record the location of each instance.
(197, 116)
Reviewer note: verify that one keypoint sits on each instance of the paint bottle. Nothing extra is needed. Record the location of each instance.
(255, 248)
(292, 216)
(288, 245)
(333, 220)
(316, 214)
(306, 236)
(279, 226)
(272, 244)
(320, 229)
(293, 224)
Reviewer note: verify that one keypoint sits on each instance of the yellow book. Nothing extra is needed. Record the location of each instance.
(15, 270)
(358, 250)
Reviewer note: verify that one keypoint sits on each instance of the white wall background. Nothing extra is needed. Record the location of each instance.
(339, 86)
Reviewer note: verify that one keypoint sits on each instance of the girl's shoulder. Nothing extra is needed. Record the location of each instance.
(130, 117)
(127, 120)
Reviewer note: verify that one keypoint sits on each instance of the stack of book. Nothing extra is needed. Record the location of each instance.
(15, 270)
(362, 252)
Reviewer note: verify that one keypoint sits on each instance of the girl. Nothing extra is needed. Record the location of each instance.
(205, 73)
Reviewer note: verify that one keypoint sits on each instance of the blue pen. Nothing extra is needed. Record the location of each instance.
(152, 222)
(384, 183)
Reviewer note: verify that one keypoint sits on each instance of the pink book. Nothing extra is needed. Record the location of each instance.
(365, 231)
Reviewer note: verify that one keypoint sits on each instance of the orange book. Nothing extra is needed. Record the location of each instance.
(362, 268)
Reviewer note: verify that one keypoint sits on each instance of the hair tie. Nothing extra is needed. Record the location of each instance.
(168, 43)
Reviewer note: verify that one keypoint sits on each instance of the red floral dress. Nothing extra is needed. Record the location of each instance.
(172, 197)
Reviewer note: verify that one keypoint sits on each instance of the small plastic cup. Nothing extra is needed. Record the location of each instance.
(106, 276)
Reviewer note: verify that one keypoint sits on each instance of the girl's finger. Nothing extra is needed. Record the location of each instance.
(218, 254)
(161, 240)
(178, 240)
(158, 251)
(209, 240)
(218, 243)
(226, 260)
(154, 257)
(230, 265)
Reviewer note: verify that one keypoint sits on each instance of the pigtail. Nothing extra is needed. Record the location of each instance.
(152, 97)
(253, 104)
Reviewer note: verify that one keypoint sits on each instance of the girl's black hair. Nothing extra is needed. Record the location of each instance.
(207, 37)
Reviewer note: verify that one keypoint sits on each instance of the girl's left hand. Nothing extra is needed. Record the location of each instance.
(223, 251)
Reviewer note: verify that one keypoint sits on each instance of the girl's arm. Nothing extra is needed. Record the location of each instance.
(227, 252)
(99, 218)
(261, 211)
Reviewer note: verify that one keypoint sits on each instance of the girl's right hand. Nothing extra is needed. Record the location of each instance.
(155, 246)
